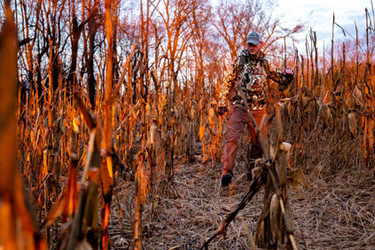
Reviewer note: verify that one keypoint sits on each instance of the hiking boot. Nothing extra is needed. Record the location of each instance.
(226, 180)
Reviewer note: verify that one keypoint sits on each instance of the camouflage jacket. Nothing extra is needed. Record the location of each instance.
(253, 76)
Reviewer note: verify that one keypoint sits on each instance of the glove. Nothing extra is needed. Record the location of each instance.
(221, 110)
(289, 74)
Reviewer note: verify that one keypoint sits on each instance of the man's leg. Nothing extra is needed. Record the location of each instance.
(256, 147)
(237, 119)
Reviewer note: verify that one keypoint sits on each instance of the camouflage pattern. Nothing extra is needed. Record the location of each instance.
(253, 76)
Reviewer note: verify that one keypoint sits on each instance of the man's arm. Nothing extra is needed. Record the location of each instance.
(282, 78)
(226, 86)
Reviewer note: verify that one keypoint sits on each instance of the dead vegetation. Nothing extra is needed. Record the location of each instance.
(331, 212)
(125, 151)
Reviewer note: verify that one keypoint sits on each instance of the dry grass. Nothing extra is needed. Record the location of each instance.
(334, 211)
(338, 211)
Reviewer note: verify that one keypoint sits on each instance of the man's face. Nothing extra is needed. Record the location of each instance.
(254, 49)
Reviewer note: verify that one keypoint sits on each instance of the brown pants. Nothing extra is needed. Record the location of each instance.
(237, 120)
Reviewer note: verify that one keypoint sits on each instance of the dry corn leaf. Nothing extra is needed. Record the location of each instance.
(370, 132)
(211, 114)
(326, 115)
(67, 201)
(274, 217)
(7, 229)
(352, 120)
(201, 132)
(106, 171)
(297, 179)
(83, 245)
(56, 210)
(76, 124)
(60, 124)
(151, 140)
(286, 146)
(364, 144)
(141, 183)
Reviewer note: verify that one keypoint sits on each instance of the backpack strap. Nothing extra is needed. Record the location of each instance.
(244, 58)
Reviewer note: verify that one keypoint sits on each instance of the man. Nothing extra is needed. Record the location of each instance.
(252, 74)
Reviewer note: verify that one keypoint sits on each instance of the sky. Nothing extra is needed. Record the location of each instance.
(318, 15)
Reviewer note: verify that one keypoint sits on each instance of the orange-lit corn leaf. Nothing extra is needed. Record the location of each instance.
(76, 125)
(211, 116)
(370, 132)
(67, 201)
(141, 183)
(106, 167)
(106, 171)
(90, 213)
(86, 213)
(201, 132)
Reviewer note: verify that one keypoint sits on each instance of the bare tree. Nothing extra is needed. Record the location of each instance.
(235, 19)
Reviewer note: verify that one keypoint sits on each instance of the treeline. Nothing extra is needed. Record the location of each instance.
(180, 42)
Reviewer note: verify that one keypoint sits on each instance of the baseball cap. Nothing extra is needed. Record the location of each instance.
(253, 38)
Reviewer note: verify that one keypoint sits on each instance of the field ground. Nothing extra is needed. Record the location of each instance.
(334, 211)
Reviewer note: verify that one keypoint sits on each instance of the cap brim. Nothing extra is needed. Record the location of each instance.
(252, 42)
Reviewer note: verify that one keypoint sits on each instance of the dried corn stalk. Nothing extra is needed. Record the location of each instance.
(18, 229)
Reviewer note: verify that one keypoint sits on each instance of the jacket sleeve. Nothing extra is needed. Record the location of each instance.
(278, 76)
(228, 83)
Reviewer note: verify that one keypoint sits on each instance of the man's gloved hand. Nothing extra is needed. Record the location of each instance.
(289, 73)
(221, 110)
